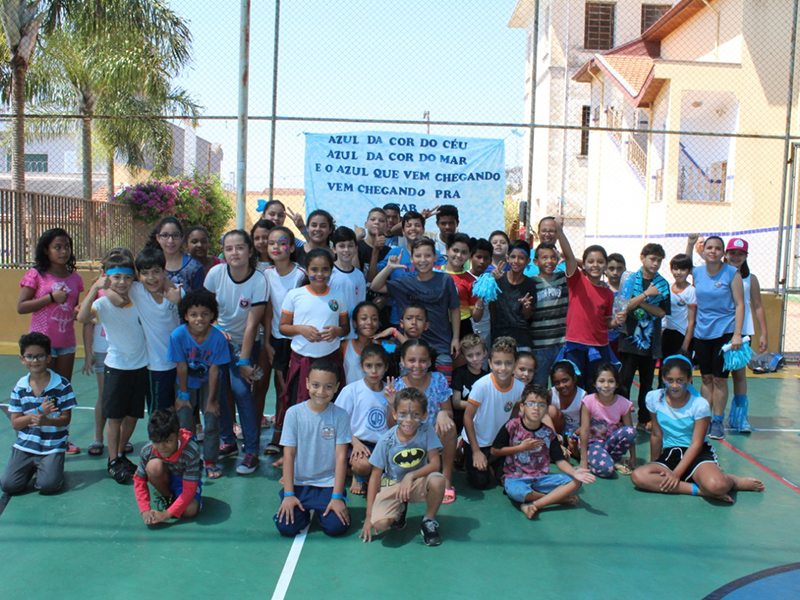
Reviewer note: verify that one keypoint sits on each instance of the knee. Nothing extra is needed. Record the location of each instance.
(332, 525)
(50, 486)
(361, 467)
(708, 380)
(717, 485)
(155, 469)
(448, 437)
(13, 488)
(636, 477)
(436, 484)
(191, 510)
(291, 529)
(604, 471)
(478, 479)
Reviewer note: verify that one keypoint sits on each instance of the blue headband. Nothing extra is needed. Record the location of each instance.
(262, 205)
(678, 356)
(122, 270)
(574, 366)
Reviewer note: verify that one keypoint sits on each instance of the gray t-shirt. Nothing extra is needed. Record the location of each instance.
(315, 436)
(397, 458)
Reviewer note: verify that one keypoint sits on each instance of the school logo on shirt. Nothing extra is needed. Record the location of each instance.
(327, 431)
(509, 405)
(681, 302)
(244, 303)
(333, 305)
(718, 284)
(376, 417)
(409, 458)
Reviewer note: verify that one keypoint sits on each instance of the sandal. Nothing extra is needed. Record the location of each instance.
(272, 449)
(266, 422)
(622, 468)
(95, 448)
(213, 471)
(449, 496)
(128, 448)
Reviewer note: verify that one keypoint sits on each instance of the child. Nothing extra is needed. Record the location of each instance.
(365, 324)
(319, 230)
(125, 378)
(615, 272)
(394, 224)
(275, 211)
(607, 431)
(473, 349)
(242, 293)
(315, 438)
(347, 282)
(500, 244)
(366, 406)
(170, 462)
(182, 269)
(549, 320)
(547, 232)
(682, 461)
(480, 260)
(513, 309)
(374, 247)
(413, 323)
(679, 323)
(458, 251)
(447, 224)
(492, 401)
(40, 409)
(197, 244)
(529, 446)
(199, 350)
(566, 400)
(525, 367)
(260, 234)
(396, 480)
(416, 356)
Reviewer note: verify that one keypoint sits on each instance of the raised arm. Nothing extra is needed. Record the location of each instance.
(566, 248)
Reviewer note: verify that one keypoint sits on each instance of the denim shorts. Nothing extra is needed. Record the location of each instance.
(176, 487)
(56, 352)
(99, 362)
(518, 488)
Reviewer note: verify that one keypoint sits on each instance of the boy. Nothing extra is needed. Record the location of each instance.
(548, 234)
(405, 469)
(525, 367)
(529, 446)
(640, 346)
(491, 402)
(125, 377)
(374, 247)
(474, 351)
(413, 324)
(170, 462)
(615, 275)
(679, 323)
(394, 225)
(480, 259)
(346, 280)
(40, 409)
(549, 321)
(447, 223)
(316, 437)
(199, 350)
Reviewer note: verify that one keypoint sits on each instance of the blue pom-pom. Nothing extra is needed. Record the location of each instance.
(486, 288)
(738, 359)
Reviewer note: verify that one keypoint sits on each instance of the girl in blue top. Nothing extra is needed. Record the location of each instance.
(720, 316)
(682, 461)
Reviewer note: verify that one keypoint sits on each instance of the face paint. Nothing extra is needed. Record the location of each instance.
(283, 241)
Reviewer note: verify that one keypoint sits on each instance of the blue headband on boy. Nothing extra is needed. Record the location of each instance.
(678, 356)
(122, 270)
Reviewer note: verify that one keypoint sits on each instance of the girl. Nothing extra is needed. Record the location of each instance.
(260, 234)
(591, 306)
(197, 243)
(242, 294)
(320, 229)
(364, 401)
(182, 269)
(682, 461)
(283, 274)
(417, 357)
(512, 311)
(500, 243)
(720, 317)
(366, 322)
(606, 427)
(276, 211)
(566, 399)
(459, 246)
(736, 256)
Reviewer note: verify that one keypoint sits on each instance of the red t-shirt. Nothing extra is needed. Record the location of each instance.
(464, 282)
(589, 307)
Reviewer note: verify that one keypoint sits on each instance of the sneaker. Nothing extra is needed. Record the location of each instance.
(744, 425)
(72, 449)
(117, 470)
(226, 450)
(130, 466)
(716, 431)
(163, 503)
(430, 532)
(400, 520)
(248, 465)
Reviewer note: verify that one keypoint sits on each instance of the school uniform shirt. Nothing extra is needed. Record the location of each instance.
(398, 458)
(716, 312)
(677, 423)
(236, 298)
(127, 346)
(572, 414)
(278, 286)
(351, 360)
(494, 407)
(463, 380)
(531, 463)
(44, 439)
(680, 302)
(159, 320)
(590, 306)
(508, 319)
(351, 286)
(605, 420)
(315, 436)
(320, 311)
(199, 358)
(99, 341)
(366, 409)
(549, 322)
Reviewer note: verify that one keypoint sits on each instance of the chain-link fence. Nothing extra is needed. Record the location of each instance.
(638, 121)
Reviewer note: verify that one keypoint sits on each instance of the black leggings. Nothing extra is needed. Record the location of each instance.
(646, 366)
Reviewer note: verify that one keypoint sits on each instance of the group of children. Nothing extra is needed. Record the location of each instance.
(397, 356)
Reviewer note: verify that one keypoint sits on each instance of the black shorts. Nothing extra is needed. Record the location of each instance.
(370, 446)
(466, 328)
(124, 393)
(671, 458)
(282, 348)
(708, 354)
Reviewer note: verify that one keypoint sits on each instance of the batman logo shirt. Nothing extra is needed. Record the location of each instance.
(409, 458)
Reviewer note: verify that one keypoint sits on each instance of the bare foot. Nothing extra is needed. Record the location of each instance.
(746, 484)
(724, 498)
(529, 509)
(570, 500)
(357, 487)
(278, 462)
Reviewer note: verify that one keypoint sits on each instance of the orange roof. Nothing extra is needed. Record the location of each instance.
(633, 70)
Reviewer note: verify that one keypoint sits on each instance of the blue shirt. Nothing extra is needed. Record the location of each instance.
(716, 312)
(199, 357)
(405, 260)
(191, 274)
(677, 424)
(46, 439)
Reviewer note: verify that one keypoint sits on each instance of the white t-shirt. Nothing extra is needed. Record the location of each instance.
(158, 321)
(352, 363)
(494, 407)
(321, 311)
(367, 410)
(127, 346)
(279, 286)
(572, 414)
(680, 301)
(351, 286)
(235, 298)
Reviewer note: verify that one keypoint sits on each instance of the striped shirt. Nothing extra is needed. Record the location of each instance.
(549, 323)
(47, 439)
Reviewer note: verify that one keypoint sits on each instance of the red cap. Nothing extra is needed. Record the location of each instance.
(737, 244)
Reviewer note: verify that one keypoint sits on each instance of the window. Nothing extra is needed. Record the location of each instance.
(34, 163)
(598, 31)
(586, 115)
(652, 13)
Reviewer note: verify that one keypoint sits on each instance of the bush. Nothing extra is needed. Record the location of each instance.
(195, 200)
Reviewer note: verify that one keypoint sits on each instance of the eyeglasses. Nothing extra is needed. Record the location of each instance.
(535, 404)
(35, 357)
(406, 417)
(170, 236)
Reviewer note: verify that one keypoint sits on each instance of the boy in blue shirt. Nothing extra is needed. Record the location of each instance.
(40, 409)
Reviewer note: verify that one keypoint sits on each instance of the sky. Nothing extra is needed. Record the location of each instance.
(361, 59)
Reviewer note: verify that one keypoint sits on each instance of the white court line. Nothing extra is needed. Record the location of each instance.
(291, 562)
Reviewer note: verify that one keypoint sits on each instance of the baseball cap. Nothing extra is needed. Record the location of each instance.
(737, 244)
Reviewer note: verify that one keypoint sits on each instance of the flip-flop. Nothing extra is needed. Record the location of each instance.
(272, 449)
(622, 469)
(449, 496)
(213, 472)
(95, 448)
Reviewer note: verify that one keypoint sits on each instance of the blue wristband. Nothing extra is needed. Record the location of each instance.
(341, 497)
(243, 362)
(288, 494)
(183, 395)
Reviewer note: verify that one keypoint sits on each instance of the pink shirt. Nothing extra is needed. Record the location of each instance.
(55, 320)
(605, 420)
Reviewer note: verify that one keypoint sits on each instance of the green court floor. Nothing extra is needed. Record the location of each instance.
(89, 540)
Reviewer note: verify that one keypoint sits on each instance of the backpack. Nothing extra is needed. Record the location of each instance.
(767, 363)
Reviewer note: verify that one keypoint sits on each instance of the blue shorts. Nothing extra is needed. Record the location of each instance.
(518, 488)
(56, 352)
(176, 487)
